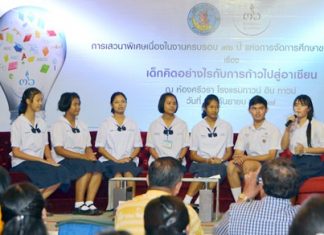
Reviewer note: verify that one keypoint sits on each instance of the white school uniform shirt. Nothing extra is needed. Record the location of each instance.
(298, 135)
(119, 144)
(258, 141)
(168, 145)
(62, 135)
(28, 142)
(208, 147)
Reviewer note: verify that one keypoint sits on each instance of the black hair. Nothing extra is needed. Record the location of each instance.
(258, 100)
(306, 100)
(113, 96)
(166, 215)
(162, 101)
(22, 205)
(29, 93)
(280, 178)
(309, 220)
(66, 99)
(120, 232)
(207, 101)
(4, 180)
(165, 172)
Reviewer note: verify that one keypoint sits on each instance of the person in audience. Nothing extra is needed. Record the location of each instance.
(119, 142)
(72, 149)
(166, 215)
(164, 178)
(310, 218)
(304, 137)
(210, 146)
(274, 213)
(168, 135)
(4, 183)
(29, 141)
(255, 144)
(23, 210)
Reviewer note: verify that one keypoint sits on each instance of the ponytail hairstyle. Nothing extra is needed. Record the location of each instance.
(306, 100)
(209, 98)
(113, 96)
(166, 215)
(22, 206)
(29, 93)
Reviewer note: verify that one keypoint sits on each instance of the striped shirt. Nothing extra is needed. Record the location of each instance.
(260, 217)
(130, 215)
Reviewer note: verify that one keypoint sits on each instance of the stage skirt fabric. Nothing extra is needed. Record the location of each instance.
(43, 175)
(112, 168)
(208, 170)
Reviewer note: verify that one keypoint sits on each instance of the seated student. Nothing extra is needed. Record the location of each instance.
(210, 147)
(29, 141)
(310, 218)
(304, 136)
(72, 148)
(4, 183)
(166, 215)
(255, 144)
(119, 142)
(168, 135)
(23, 210)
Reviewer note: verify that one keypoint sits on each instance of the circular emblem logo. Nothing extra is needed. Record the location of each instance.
(203, 19)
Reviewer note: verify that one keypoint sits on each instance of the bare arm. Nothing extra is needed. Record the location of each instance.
(154, 153)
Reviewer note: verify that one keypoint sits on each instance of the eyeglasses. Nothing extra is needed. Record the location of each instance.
(35, 129)
(121, 128)
(75, 130)
(168, 131)
(212, 134)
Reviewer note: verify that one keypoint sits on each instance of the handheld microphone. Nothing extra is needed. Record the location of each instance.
(290, 121)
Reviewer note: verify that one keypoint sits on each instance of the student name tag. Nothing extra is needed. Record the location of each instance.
(167, 144)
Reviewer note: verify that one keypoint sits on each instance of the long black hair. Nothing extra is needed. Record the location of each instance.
(29, 93)
(306, 100)
(22, 205)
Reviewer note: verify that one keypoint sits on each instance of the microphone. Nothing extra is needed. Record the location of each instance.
(290, 121)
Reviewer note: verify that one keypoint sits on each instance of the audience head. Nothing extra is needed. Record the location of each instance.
(207, 102)
(310, 218)
(114, 233)
(166, 215)
(22, 207)
(4, 180)
(165, 172)
(114, 97)
(258, 100)
(280, 178)
(165, 99)
(66, 99)
(28, 98)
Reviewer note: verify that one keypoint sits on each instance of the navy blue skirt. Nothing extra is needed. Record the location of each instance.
(208, 170)
(43, 175)
(112, 168)
(79, 167)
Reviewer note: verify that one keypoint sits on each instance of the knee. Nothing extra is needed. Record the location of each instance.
(231, 168)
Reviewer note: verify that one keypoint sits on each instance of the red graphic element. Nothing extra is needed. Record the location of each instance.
(23, 56)
(1, 36)
(12, 65)
(27, 38)
(51, 33)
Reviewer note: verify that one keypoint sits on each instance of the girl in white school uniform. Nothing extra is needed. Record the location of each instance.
(211, 145)
(304, 136)
(72, 149)
(29, 141)
(119, 142)
(168, 135)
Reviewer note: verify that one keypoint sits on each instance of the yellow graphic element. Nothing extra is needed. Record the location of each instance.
(203, 24)
(6, 58)
(31, 59)
(37, 34)
(10, 38)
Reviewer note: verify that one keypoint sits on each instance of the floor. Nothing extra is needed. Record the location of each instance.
(107, 217)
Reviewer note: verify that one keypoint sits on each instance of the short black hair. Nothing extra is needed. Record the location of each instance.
(65, 101)
(280, 178)
(113, 96)
(165, 172)
(162, 101)
(209, 98)
(310, 218)
(258, 100)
